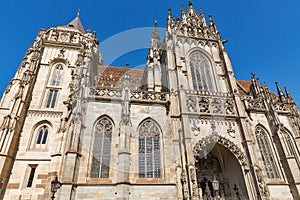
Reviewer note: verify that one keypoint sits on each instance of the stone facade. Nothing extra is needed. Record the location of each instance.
(183, 128)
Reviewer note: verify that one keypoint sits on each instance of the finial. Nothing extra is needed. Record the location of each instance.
(252, 76)
(288, 95)
(190, 4)
(127, 66)
(201, 11)
(182, 8)
(155, 23)
(78, 12)
(265, 85)
(280, 93)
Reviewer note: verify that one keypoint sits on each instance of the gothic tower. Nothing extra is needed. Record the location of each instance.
(36, 110)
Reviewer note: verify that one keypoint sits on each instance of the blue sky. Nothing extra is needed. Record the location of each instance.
(263, 35)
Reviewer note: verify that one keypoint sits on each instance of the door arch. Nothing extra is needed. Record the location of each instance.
(220, 159)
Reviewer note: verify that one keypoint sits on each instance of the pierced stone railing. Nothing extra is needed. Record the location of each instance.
(255, 104)
(135, 95)
(281, 107)
(219, 105)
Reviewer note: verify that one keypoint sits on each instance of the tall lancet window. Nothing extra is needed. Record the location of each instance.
(149, 150)
(57, 74)
(290, 147)
(266, 153)
(101, 148)
(201, 72)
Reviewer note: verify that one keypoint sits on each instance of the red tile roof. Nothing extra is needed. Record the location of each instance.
(109, 76)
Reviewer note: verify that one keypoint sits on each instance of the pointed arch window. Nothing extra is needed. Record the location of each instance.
(201, 72)
(57, 75)
(290, 147)
(149, 150)
(42, 135)
(101, 148)
(266, 153)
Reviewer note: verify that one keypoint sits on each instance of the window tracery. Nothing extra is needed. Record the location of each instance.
(149, 150)
(290, 147)
(102, 148)
(57, 75)
(201, 72)
(266, 153)
(42, 135)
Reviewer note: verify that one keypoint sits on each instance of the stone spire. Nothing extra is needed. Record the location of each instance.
(213, 26)
(280, 93)
(288, 95)
(155, 39)
(254, 87)
(76, 23)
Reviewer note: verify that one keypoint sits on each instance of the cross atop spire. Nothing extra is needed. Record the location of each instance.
(78, 12)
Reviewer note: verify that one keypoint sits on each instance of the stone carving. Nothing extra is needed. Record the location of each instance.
(255, 104)
(281, 107)
(261, 183)
(229, 107)
(195, 126)
(106, 92)
(204, 106)
(43, 113)
(184, 185)
(191, 104)
(231, 131)
(200, 147)
(194, 181)
(148, 96)
(216, 106)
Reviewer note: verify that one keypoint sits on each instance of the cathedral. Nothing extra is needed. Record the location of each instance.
(183, 128)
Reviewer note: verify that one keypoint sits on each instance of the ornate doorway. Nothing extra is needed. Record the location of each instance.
(220, 176)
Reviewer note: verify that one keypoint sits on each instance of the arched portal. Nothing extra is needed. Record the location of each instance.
(220, 167)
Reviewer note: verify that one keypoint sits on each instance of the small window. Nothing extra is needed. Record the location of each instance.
(58, 71)
(31, 175)
(52, 96)
(42, 135)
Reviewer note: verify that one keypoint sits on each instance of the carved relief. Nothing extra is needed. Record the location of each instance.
(204, 105)
(231, 131)
(261, 183)
(64, 37)
(195, 126)
(281, 107)
(255, 104)
(191, 104)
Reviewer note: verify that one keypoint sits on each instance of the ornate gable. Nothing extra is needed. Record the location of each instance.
(193, 24)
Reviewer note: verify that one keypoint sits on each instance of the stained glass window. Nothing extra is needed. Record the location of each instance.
(201, 72)
(102, 148)
(149, 150)
(266, 153)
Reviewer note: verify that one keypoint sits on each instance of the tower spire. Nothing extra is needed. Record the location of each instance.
(155, 39)
(76, 23)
